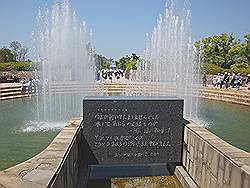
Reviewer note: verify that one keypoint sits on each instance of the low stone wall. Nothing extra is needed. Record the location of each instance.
(213, 163)
(68, 172)
(232, 96)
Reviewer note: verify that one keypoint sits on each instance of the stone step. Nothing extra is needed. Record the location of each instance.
(11, 93)
(10, 90)
(13, 97)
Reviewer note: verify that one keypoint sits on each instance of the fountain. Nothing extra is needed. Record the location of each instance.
(62, 43)
(168, 61)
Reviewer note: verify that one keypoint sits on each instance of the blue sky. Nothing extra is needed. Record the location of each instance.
(119, 26)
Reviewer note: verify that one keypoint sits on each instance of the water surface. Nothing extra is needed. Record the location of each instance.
(231, 122)
(22, 137)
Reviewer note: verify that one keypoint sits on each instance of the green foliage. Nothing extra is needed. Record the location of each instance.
(132, 65)
(17, 66)
(241, 68)
(235, 54)
(123, 62)
(19, 52)
(213, 69)
(15, 47)
(15, 52)
(128, 63)
(6, 55)
(222, 53)
(102, 62)
(247, 49)
(13, 58)
(135, 57)
(219, 50)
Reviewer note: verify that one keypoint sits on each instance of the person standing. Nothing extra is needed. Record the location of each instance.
(214, 80)
(248, 81)
(110, 74)
(204, 79)
(121, 72)
(104, 74)
(23, 85)
(218, 80)
(30, 86)
(221, 80)
(238, 80)
(226, 80)
(233, 80)
(117, 74)
(14, 78)
(98, 75)
(38, 86)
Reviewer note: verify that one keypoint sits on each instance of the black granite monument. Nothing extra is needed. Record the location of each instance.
(132, 136)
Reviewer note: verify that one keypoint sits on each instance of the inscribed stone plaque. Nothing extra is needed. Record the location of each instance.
(134, 130)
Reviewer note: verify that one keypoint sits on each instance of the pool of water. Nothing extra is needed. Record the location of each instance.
(231, 122)
(22, 137)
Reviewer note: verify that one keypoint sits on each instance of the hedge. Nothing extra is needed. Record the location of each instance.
(17, 66)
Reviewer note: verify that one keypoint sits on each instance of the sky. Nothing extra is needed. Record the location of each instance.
(120, 26)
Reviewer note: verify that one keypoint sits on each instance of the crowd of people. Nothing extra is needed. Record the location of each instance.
(8, 78)
(110, 74)
(31, 86)
(227, 80)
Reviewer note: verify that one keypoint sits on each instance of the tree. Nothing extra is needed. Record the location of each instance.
(224, 53)
(222, 50)
(135, 57)
(128, 63)
(241, 68)
(123, 62)
(6, 55)
(15, 47)
(23, 54)
(20, 52)
(102, 62)
(235, 54)
(247, 49)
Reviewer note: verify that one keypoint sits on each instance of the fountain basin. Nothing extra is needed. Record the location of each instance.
(59, 164)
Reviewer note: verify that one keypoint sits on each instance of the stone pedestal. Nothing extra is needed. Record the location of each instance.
(133, 136)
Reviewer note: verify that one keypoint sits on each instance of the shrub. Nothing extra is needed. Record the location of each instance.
(213, 69)
(17, 66)
(241, 68)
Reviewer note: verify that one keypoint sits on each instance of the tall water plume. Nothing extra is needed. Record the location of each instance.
(169, 55)
(61, 42)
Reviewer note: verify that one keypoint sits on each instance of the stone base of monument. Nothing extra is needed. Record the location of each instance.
(101, 175)
(133, 170)
(130, 137)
